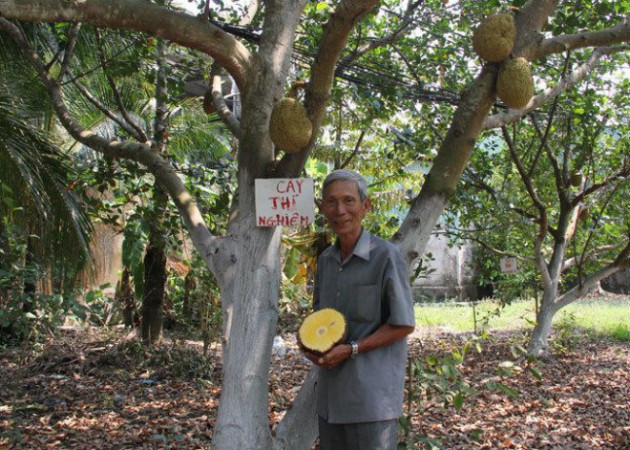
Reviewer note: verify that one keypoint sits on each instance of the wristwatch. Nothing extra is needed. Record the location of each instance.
(355, 349)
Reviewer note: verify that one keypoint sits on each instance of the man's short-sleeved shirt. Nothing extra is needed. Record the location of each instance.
(370, 287)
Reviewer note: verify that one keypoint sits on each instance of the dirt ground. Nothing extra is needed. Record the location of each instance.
(104, 391)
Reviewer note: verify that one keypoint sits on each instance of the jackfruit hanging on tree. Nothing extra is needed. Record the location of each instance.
(494, 38)
(576, 178)
(515, 85)
(289, 125)
(322, 330)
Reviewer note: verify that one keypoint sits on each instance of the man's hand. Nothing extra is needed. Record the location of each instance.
(334, 357)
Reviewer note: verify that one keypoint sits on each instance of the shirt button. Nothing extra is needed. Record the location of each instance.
(338, 294)
(340, 269)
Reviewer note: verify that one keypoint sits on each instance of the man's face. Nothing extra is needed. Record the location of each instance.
(343, 207)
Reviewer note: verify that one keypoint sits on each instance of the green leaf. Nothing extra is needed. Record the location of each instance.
(535, 372)
(458, 401)
(508, 390)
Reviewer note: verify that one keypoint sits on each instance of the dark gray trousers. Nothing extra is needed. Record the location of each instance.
(358, 436)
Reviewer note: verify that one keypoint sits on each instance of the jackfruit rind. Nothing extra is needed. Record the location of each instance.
(515, 85)
(289, 126)
(493, 39)
(322, 330)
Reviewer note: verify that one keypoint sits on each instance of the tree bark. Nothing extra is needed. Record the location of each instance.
(301, 416)
(154, 281)
(538, 343)
(155, 272)
(125, 299)
(249, 294)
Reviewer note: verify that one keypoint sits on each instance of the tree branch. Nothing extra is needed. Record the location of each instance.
(623, 172)
(142, 153)
(472, 237)
(622, 260)
(69, 50)
(407, 20)
(617, 34)
(124, 124)
(514, 115)
(594, 253)
(140, 15)
(333, 42)
(357, 146)
(543, 219)
(138, 132)
(218, 101)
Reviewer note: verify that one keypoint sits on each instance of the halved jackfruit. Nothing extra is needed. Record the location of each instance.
(322, 330)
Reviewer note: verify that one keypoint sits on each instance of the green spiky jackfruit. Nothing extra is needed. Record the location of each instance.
(515, 85)
(494, 38)
(289, 125)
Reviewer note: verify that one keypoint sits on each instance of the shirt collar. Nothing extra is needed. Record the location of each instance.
(361, 249)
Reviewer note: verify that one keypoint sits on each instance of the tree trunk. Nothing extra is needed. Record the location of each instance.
(154, 281)
(249, 293)
(302, 416)
(155, 258)
(4, 251)
(188, 305)
(126, 299)
(30, 285)
(538, 344)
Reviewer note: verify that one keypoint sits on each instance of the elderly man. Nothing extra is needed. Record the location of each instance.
(361, 381)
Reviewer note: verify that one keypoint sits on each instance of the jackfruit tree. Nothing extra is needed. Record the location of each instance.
(265, 47)
(567, 177)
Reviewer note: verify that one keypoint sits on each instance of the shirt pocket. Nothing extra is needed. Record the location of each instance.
(363, 303)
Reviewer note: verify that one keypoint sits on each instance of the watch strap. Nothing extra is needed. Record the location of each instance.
(355, 349)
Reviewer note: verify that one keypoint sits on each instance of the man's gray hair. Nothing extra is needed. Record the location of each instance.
(347, 175)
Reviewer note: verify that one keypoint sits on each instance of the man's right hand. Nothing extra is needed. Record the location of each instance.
(332, 358)
(312, 357)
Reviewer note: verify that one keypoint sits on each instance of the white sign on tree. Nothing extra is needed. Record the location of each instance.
(509, 264)
(285, 202)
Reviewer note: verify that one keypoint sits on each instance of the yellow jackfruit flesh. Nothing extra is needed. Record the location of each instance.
(493, 39)
(515, 85)
(322, 330)
(289, 125)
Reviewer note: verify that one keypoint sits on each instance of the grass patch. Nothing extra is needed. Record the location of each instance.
(600, 315)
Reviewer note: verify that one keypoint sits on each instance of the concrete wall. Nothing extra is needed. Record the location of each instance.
(453, 273)
(618, 283)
